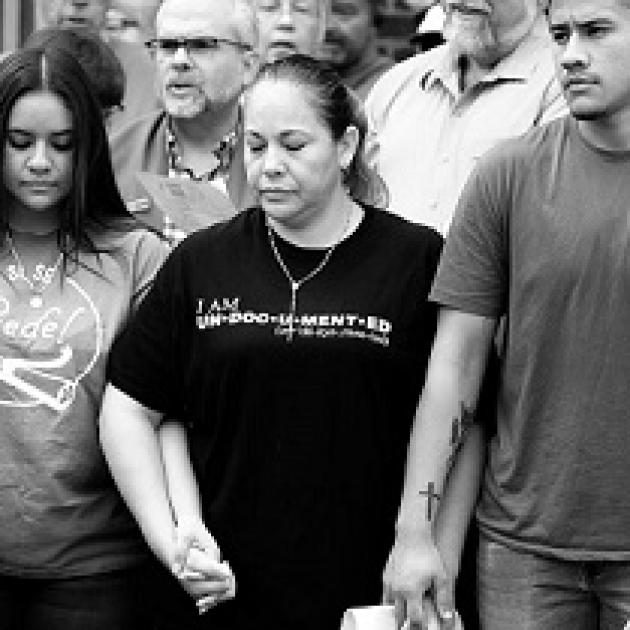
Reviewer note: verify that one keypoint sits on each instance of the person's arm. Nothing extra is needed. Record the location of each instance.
(180, 478)
(197, 561)
(129, 439)
(448, 401)
(130, 445)
(458, 501)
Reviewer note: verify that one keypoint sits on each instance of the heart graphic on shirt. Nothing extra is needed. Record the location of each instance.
(48, 348)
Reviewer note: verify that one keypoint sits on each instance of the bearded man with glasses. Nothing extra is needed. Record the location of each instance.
(203, 58)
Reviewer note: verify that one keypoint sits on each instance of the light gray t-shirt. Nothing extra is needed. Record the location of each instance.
(60, 513)
(542, 236)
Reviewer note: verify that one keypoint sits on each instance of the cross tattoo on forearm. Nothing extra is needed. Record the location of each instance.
(431, 496)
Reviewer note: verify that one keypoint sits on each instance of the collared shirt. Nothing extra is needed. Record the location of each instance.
(425, 138)
(141, 146)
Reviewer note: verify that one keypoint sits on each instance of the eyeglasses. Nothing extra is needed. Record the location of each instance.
(193, 45)
(306, 7)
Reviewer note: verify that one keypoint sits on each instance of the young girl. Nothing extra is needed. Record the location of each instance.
(72, 268)
(292, 342)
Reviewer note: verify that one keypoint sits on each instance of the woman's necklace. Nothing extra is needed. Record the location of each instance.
(37, 283)
(296, 284)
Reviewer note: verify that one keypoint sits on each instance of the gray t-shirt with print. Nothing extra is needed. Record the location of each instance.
(60, 513)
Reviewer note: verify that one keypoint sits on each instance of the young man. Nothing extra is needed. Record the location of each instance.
(542, 237)
(433, 115)
(350, 44)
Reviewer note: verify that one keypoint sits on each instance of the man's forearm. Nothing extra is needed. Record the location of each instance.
(459, 498)
(445, 412)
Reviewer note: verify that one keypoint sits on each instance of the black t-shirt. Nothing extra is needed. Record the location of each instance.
(298, 440)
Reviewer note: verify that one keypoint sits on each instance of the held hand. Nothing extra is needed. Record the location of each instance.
(209, 582)
(198, 567)
(190, 532)
(414, 578)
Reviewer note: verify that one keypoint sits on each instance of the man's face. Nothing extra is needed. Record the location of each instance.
(192, 80)
(487, 30)
(78, 12)
(286, 27)
(349, 32)
(592, 55)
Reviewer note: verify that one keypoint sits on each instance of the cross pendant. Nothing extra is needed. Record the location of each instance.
(294, 289)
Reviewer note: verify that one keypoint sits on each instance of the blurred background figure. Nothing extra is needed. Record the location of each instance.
(75, 12)
(97, 59)
(429, 33)
(140, 94)
(350, 44)
(285, 27)
(433, 115)
(121, 26)
(132, 20)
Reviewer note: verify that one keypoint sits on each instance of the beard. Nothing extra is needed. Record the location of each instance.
(471, 36)
(188, 107)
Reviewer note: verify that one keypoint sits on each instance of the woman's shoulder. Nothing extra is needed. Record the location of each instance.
(225, 235)
(396, 229)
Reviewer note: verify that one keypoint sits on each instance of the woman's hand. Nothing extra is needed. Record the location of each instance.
(197, 565)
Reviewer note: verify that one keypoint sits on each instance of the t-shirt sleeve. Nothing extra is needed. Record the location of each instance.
(143, 358)
(472, 274)
(425, 323)
(150, 254)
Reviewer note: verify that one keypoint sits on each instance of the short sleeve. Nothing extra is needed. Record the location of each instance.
(472, 274)
(143, 360)
(150, 254)
(425, 323)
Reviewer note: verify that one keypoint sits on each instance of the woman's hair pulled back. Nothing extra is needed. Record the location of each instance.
(338, 109)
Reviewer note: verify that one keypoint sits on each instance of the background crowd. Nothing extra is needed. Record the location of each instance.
(289, 325)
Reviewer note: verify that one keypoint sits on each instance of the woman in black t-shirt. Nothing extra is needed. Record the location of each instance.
(291, 342)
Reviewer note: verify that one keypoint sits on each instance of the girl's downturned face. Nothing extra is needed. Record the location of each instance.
(38, 151)
(291, 158)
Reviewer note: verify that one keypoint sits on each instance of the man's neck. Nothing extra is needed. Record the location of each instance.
(206, 129)
(366, 58)
(472, 69)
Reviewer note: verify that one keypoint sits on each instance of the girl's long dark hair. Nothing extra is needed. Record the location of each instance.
(94, 201)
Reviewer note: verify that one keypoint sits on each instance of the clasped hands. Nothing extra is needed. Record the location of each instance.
(198, 567)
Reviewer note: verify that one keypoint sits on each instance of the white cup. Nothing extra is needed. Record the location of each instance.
(369, 618)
